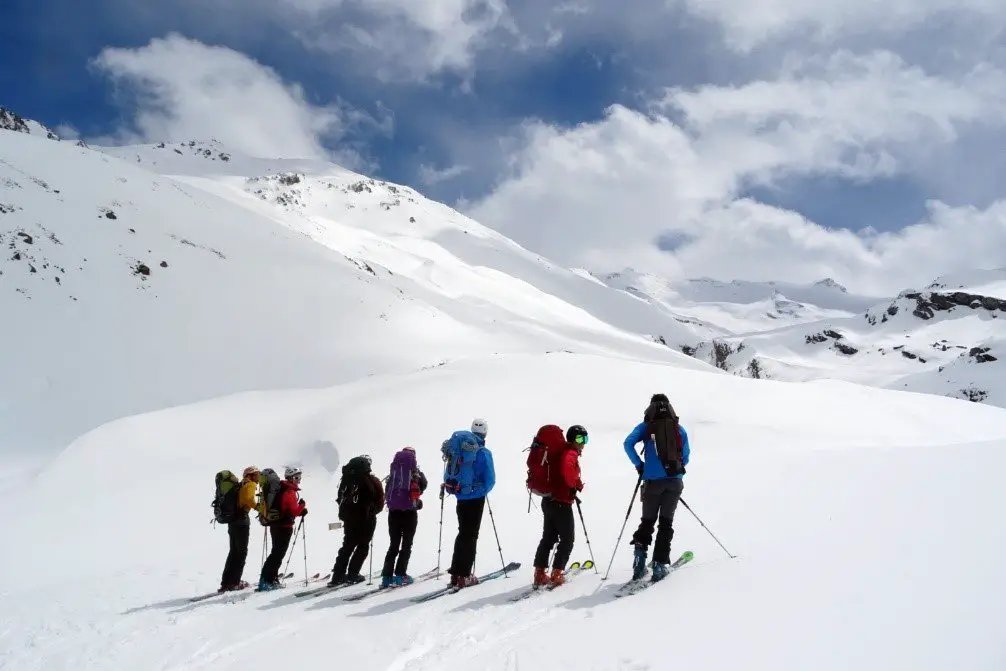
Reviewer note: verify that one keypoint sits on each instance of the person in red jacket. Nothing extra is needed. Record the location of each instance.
(291, 506)
(557, 509)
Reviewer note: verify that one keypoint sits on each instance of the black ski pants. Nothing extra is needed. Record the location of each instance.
(280, 535)
(238, 533)
(660, 499)
(401, 531)
(356, 537)
(557, 527)
(467, 540)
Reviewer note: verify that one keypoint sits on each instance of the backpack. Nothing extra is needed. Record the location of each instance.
(353, 497)
(398, 492)
(662, 428)
(543, 453)
(268, 497)
(225, 497)
(459, 452)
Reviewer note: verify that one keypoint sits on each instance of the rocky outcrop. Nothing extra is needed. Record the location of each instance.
(927, 304)
(10, 120)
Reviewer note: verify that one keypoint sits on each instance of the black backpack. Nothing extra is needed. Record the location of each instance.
(225, 497)
(662, 428)
(355, 489)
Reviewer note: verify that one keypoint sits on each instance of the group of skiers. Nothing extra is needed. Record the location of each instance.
(469, 476)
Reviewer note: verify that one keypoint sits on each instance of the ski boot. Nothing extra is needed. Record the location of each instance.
(387, 581)
(402, 580)
(268, 586)
(354, 579)
(336, 580)
(467, 580)
(557, 578)
(540, 578)
(660, 571)
(639, 562)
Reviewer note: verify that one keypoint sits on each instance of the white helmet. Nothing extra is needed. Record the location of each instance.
(292, 472)
(480, 427)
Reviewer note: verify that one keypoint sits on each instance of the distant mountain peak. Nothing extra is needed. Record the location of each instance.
(12, 121)
(828, 282)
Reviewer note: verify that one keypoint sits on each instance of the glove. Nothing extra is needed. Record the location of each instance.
(451, 486)
(579, 487)
(303, 513)
(419, 504)
(639, 469)
(577, 499)
(300, 502)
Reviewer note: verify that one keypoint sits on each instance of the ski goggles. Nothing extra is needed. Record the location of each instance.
(580, 439)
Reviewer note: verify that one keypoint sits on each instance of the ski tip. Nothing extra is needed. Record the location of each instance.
(588, 564)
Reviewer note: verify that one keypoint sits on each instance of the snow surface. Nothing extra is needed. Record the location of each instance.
(850, 535)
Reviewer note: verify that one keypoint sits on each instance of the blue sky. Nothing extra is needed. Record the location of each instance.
(827, 115)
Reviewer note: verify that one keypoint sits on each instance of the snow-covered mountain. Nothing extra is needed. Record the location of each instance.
(173, 310)
(219, 276)
(946, 338)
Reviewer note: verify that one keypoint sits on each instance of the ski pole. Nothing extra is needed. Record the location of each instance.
(707, 529)
(294, 545)
(585, 536)
(627, 513)
(370, 580)
(304, 533)
(440, 539)
(265, 543)
(498, 546)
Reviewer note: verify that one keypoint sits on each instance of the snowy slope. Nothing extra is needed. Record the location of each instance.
(842, 531)
(127, 291)
(738, 307)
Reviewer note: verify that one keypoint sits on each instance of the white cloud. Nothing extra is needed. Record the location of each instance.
(429, 175)
(404, 39)
(751, 23)
(599, 194)
(181, 89)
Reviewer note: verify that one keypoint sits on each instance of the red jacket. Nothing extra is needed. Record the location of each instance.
(289, 506)
(565, 475)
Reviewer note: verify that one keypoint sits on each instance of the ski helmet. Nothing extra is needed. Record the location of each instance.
(292, 472)
(480, 427)
(577, 435)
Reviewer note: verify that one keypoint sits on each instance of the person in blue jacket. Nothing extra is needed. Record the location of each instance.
(662, 469)
(469, 476)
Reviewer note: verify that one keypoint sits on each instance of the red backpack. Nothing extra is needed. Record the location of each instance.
(547, 442)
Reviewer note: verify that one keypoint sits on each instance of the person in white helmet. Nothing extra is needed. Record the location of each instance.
(291, 506)
(469, 476)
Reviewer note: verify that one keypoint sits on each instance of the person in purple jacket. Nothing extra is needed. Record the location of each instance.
(402, 491)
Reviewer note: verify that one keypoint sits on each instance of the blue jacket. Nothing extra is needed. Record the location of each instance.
(652, 468)
(477, 474)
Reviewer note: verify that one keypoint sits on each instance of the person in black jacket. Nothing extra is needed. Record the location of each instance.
(361, 498)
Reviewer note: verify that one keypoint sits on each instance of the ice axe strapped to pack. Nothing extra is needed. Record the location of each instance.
(662, 426)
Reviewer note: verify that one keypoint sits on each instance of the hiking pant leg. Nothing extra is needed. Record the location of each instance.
(669, 498)
(281, 536)
(549, 533)
(237, 534)
(565, 529)
(410, 521)
(350, 532)
(365, 535)
(466, 543)
(395, 532)
(651, 497)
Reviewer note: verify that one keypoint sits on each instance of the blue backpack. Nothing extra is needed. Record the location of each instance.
(459, 452)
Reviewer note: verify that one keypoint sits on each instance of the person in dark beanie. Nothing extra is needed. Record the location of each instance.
(662, 470)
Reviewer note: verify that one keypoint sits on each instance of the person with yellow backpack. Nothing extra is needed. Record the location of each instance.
(233, 501)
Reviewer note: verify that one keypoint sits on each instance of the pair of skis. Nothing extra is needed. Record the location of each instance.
(423, 577)
(325, 589)
(452, 589)
(574, 569)
(209, 595)
(636, 586)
